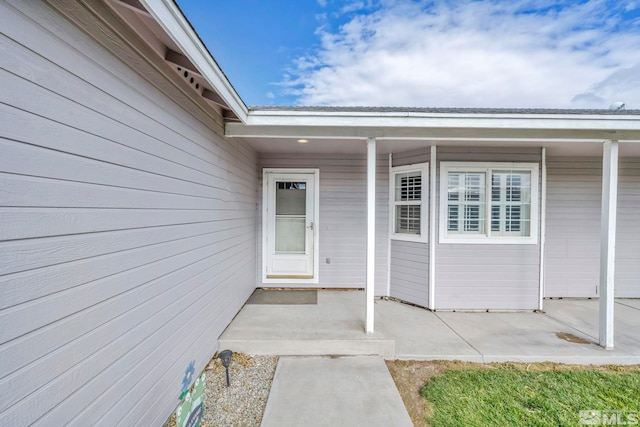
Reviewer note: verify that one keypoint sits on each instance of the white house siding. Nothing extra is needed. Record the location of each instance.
(410, 272)
(627, 275)
(126, 225)
(489, 276)
(572, 250)
(572, 254)
(343, 217)
(409, 266)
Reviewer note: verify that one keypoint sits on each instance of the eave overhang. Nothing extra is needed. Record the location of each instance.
(300, 123)
(186, 50)
(194, 55)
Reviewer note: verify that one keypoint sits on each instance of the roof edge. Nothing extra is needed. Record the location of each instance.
(175, 24)
(361, 110)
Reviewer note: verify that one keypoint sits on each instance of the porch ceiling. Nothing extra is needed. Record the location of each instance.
(385, 146)
(345, 129)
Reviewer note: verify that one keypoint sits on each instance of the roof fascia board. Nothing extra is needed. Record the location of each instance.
(430, 131)
(364, 112)
(446, 120)
(173, 22)
(354, 124)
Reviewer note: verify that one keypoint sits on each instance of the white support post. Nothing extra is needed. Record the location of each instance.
(608, 241)
(371, 234)
(391, 195)
(432, 228)
(543, 224)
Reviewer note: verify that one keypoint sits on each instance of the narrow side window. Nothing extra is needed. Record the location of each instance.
(409, 202)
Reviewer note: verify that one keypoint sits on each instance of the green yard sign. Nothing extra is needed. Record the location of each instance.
(189, 413)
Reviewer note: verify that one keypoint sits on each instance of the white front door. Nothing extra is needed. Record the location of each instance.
(290, 224)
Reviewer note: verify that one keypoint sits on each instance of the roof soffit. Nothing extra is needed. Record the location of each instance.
(184, 49)
(431, 123)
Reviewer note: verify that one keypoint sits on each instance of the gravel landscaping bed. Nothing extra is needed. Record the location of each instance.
(243, 403)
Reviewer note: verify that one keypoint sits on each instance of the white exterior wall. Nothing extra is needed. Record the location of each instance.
(572, 255)
(572, 251)
(343, 217)
(126, 224)
(467, 276)
(486, 276)
(627, 278)
(410, 272)
(409, 266)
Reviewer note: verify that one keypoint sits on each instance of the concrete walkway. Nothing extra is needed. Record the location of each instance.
(359, 391)
(334, 391)
(334, 326)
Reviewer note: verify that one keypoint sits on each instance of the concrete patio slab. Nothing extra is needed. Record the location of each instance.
(634, 303)
(332, 326)
(335, 326)
(579, 314)
(582, 315)
(330, 391)
(421, 335)
(528, 337)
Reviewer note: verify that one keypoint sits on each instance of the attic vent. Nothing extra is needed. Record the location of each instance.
(189, 78)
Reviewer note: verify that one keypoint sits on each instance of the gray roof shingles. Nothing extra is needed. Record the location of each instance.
(438, 110)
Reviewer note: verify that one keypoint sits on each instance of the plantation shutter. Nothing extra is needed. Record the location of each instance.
(408, 201)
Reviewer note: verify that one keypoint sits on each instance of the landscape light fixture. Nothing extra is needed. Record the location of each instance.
(225, 357)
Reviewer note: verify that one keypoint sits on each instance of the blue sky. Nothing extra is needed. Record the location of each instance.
(419, 53)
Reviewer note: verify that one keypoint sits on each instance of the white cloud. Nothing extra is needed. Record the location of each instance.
(352, 7)
(622, 85)
(322, 3)
(525, 53)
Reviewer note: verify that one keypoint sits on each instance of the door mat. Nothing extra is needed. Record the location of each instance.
(261, 296)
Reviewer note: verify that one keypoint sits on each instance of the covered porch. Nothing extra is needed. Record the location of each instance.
(566, 332)
(358, 155)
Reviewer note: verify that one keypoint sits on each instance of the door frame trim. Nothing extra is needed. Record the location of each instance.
(316, 228)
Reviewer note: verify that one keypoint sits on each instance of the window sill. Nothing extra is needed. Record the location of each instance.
(489, 240)
(417, 239)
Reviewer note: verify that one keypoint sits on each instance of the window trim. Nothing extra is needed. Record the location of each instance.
(487, 167)
(423, 168)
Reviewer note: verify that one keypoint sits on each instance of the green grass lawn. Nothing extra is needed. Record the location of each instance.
(506, 395)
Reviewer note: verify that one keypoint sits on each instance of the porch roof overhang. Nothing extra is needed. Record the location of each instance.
(438, 124)
(166, 30)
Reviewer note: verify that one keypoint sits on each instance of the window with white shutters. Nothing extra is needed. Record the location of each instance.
(510, 203)
(408, 202)
(488, 202)
(465, 202)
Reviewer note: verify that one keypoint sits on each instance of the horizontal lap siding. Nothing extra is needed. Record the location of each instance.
(409, 264)
(343, 216)
(410, 272)
(127, 222)
(411, 157)
(490, 276)
(487, 276)
(627, 275)
(572, 253)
